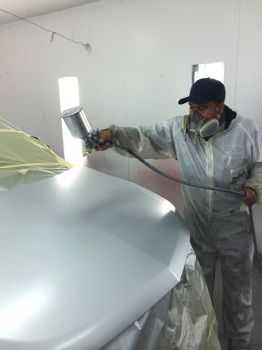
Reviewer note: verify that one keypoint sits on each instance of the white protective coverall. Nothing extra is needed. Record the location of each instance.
(218, 221)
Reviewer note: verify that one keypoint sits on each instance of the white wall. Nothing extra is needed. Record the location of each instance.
(143, 51)
(249, 68)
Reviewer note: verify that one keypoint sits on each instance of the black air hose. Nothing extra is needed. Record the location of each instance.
(216, 189)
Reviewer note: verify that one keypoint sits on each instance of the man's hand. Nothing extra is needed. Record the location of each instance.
(250, 196)
(105, 140)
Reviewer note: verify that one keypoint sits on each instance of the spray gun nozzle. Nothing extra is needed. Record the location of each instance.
(91, 140)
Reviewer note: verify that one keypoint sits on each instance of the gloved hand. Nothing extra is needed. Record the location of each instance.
(105, 140)
(250, 196)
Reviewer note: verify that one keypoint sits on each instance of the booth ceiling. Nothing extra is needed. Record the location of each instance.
(31, 8)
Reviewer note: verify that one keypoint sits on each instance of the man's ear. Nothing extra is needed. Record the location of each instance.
(220, 107)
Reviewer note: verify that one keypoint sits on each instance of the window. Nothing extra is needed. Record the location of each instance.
(214, 70)
(69, 97)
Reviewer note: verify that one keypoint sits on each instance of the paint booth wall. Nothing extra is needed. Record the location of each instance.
(140, 65)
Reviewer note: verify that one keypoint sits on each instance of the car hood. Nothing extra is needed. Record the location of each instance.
(83, 255)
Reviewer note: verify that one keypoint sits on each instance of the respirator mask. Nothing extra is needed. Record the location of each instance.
(202, 126)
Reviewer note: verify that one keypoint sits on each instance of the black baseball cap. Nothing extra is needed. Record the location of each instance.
(205, 90)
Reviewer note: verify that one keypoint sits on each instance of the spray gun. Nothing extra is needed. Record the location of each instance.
(79, 127)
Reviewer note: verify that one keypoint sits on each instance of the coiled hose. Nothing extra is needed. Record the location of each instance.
(217, 189)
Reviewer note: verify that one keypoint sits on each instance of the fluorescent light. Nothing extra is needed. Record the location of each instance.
(69, 97)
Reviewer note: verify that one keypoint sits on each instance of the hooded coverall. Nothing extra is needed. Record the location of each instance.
(218, 221)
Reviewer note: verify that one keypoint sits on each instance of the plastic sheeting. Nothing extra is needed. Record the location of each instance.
(25, 159)
(183, 320)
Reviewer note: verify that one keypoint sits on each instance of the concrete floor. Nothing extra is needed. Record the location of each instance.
(257, 306)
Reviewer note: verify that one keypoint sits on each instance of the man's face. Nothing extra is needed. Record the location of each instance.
(208, 110)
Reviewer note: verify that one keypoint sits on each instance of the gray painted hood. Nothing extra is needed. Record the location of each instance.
(83, 255)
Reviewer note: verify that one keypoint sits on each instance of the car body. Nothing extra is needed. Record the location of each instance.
(89, 261)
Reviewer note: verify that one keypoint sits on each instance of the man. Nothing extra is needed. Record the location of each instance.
(214, 147)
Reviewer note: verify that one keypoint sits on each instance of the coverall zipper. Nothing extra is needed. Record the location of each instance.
(209, 171)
